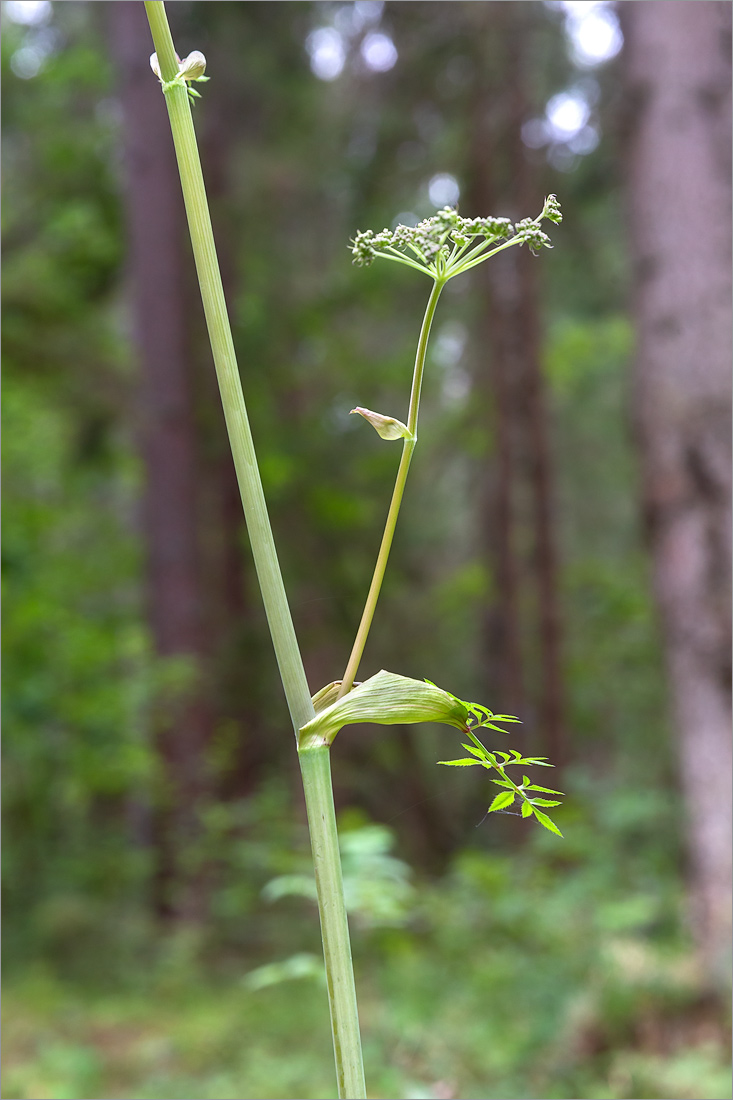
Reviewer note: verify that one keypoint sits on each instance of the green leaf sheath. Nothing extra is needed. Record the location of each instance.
(386, 699)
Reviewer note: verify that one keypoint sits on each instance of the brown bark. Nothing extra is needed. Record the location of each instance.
(229, 596)
(156, 229)
(503, 622)
(551, 706)
(679, 201)
(497, 337)
(518, 508)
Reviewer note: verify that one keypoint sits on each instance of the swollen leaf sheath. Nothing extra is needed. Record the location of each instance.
(386, 699)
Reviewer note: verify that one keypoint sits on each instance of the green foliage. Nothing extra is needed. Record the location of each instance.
(500, 761)
(302, 965)
(545, 971)
(388, 699)
(377, 886)
(75, 657)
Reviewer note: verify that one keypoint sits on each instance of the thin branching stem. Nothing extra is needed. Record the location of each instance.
(468, 262)
(393, 254)
(394, 508)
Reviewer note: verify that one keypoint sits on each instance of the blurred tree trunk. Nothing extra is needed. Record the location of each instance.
(157, 231)
(234, 668)
(517, 508)
(678, 75)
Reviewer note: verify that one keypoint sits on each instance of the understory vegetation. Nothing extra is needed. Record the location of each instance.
(541, 971)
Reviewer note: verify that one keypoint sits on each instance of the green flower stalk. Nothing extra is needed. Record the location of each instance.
(441, 247)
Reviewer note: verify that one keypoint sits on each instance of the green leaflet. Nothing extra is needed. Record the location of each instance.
(502, 800)
(546, 821)
(460, 763)
(386, 699)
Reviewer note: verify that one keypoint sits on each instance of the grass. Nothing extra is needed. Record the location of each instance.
(217, 1040)
(534, 973)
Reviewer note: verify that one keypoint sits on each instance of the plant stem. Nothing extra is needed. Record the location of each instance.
(315, 766)
(394, 508)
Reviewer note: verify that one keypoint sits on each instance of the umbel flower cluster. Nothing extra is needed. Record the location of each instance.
(447, 244)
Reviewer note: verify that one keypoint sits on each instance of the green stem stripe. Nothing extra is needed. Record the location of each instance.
(397, 493)
(315, 767)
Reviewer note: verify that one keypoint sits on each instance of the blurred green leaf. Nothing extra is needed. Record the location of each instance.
(502, 800)
(546, 821)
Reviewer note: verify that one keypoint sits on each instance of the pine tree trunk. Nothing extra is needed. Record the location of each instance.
(523, 630)
(679, 199)
(157, 233)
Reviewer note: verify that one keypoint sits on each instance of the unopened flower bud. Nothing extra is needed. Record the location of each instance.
(194, 66)
(552, 210)
(386, 426)
(155, 65)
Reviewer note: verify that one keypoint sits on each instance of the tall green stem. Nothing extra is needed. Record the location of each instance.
(394, 508)
(315, 766)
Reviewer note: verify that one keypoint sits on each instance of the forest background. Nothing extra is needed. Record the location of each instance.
(559, 555)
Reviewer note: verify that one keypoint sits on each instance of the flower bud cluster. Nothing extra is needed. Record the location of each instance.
(528, 232)
(436, 236)
(490, 228)
(551, 209)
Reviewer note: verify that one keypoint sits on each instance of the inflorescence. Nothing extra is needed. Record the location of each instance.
(447, 244)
